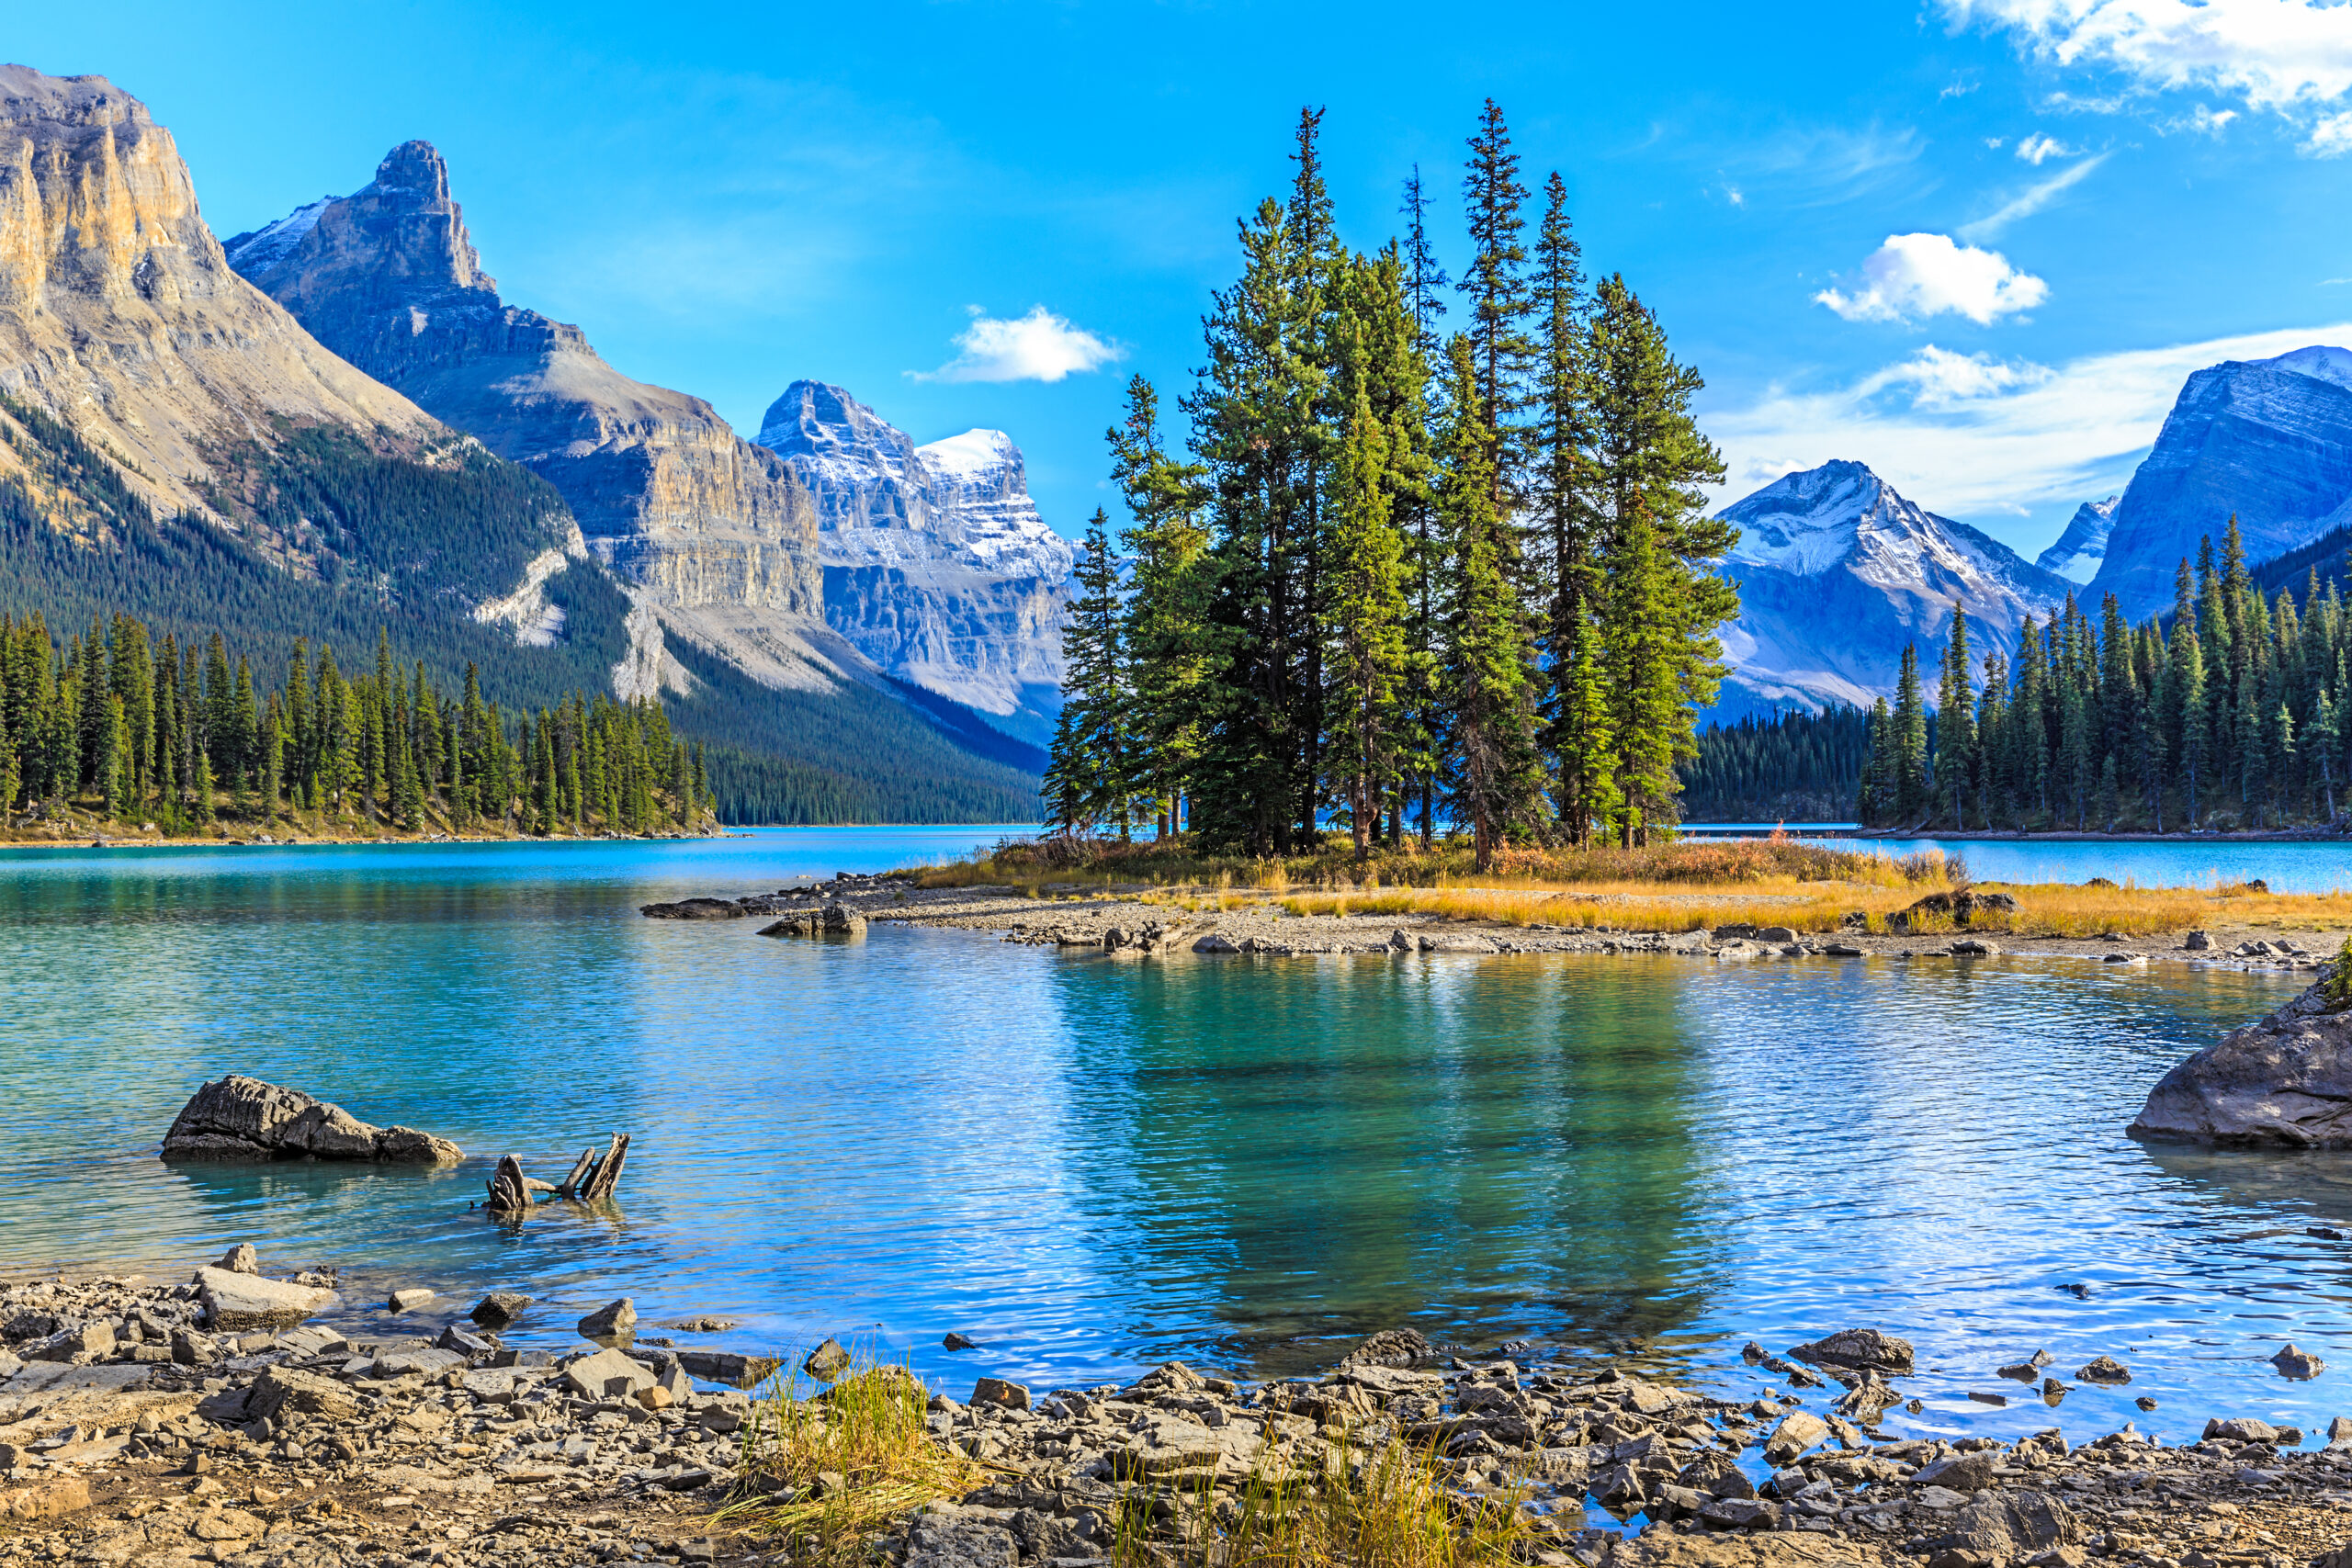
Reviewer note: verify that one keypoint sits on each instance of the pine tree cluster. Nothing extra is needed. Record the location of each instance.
(2228, 714)
(136, 728)
(1400, 576)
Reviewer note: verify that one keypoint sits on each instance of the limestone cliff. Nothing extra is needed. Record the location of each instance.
(938, 567)
(120, 314)
(713, 532)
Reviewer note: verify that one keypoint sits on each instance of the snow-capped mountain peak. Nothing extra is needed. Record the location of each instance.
(1838, 570)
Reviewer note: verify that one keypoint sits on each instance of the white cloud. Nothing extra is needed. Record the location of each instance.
(2276, 54)
(2034, 199)
(1915, 275)
(2331, 137)
(2039, 148)
(1993, 142)
(1938, 380)
(1958, 441)
(1039, 347)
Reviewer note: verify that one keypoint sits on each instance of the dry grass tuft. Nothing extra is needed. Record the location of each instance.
(842, 1463)
(1393, 1507)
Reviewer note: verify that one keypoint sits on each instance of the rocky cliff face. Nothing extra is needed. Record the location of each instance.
(716, 532)
(1837, 572)
(2079, 550)
(938, 566)
(2268, 441)
(120, 314)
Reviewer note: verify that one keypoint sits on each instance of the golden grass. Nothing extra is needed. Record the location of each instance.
(1393, 1507)
(2045, 909)
(851, 1458)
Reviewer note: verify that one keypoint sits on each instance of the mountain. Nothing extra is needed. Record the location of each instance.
(2080, 549)
(938, 566)
(710, 530)
(177, 445)
(1837, 572)
(2267, 440)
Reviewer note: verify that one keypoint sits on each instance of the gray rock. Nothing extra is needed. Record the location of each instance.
(2298, 1364)
(1775, 934)
(730, 1367)
(614, 1321)
(2198, 941)
(827, 1361)
(997, 1392)
(409, 1300)
(694, 909)
(943, 1538)
(1976, 947)
(240, 1260)
(1213, 943)
(1961, 1472)
(239, 1118)
(237, 1304)
(2105, 1369)
(1864, 1349)
(2005, 1528)
(1389, 1348)
(500, 1309)
(2283, 1080)
(608, 1374)
(955, 1341)
(2242, 1429)
(91, 1339)
(1798, 1431)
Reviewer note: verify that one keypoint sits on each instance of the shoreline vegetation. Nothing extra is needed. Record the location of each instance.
(1667, 890)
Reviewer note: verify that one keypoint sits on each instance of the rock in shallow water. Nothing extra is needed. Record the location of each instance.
(2285, 1080)
(239, 1118)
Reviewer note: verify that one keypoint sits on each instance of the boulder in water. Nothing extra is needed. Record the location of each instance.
(239, 1118)
(2284, 1080)
(694, 909)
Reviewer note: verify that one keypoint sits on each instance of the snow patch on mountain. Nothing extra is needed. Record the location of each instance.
(2080, 549)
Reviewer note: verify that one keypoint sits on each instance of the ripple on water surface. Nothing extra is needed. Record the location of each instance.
(1088, 1163)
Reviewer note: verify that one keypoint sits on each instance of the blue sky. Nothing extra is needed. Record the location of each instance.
(1974, 246)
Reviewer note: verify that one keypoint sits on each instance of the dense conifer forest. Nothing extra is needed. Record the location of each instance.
(1786, 767)
(135, 730)
(2226, 714)
(1396, 576)
(78, 546)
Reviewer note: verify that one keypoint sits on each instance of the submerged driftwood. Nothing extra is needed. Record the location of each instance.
(592, 1179)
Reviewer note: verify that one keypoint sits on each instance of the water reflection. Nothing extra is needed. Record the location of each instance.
(1309, 1152)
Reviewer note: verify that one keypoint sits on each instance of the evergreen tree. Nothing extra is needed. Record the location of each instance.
(1367, 664)
(1909, 725)
(1500, 299)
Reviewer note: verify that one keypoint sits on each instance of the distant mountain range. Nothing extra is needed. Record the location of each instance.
(1838, 572)
(342, 402)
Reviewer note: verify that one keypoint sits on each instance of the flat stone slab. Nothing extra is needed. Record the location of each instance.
(46, 1377)
(237, 1302)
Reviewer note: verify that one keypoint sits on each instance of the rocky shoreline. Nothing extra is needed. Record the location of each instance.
(139, 1423)
(1135, 922)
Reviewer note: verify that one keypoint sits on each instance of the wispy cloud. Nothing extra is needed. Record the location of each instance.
(1969, 436)
(1817, 167)
(1913, 276)
(2038, 150)
(2032, 199)
(1039, 347)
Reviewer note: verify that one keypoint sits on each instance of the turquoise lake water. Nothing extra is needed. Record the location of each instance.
(1090, 1165)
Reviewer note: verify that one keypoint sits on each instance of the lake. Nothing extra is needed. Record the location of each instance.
(1090, 1164)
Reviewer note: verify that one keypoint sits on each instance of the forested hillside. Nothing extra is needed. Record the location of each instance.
(340, 543)
(2227, 712)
